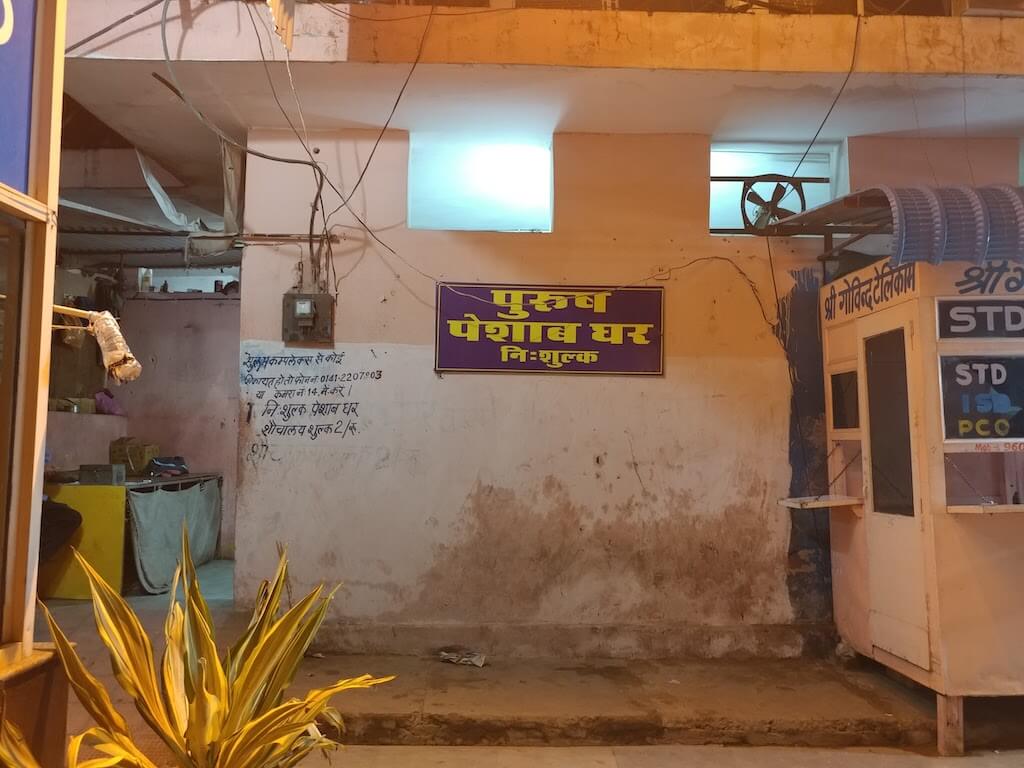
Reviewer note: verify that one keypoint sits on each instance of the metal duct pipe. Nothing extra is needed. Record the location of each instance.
(956, 223)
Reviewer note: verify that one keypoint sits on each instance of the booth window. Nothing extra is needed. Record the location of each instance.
(12, 249)
(974, 479)
(892, 480)
(845, 414)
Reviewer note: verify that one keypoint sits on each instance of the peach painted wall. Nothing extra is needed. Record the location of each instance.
(905, 162)
(533, 514)
(74, 439)
(186, 400)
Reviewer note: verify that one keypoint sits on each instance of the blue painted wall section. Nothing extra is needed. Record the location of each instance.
(17, 48)
(809, 575)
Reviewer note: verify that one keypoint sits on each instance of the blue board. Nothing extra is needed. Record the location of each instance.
(17, 49)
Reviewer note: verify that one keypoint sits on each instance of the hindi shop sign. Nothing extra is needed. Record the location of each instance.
(992, 277)
(17, 46)
(981, 318)
(868, 290)
(549, 329)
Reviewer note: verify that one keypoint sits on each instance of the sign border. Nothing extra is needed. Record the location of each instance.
(438, 285)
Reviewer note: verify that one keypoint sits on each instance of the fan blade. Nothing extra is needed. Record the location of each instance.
(756, 199)
(778, 194)
(783, 213)
(762, 220)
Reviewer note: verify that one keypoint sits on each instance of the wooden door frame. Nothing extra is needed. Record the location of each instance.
(38, 209)
(905, 317)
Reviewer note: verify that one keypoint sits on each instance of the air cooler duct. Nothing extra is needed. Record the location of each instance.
(956, 224)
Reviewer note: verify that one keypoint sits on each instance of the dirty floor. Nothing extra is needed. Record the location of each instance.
(527, 703)
(651, 757)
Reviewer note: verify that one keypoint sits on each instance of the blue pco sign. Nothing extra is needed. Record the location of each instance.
(17, 48)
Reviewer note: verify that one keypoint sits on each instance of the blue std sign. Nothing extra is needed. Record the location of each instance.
(983, 397)
(17, 55)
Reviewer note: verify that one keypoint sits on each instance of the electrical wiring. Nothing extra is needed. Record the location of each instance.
(917, 117)
(321, 256)
(175, 86)
(387, 123)
(963, 92)
(354, 17)
(782, 333)
(839, 94)
(324, 179)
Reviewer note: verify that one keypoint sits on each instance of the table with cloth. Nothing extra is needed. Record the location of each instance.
(146, 515)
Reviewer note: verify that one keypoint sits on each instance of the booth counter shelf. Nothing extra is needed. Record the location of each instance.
(826, 501)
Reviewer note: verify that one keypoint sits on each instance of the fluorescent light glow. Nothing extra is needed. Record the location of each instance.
(457, 182)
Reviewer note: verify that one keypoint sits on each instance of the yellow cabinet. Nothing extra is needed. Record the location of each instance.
(100, 539)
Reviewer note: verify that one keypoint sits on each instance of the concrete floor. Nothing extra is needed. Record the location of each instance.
(604, 706)
(650, 757)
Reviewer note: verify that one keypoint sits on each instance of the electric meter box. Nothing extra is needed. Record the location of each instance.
(924, 388)
(307, 318)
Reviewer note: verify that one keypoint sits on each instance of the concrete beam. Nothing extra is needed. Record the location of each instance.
(568, 38)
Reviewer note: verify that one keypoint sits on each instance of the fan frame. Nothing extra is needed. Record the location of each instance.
(768, 178)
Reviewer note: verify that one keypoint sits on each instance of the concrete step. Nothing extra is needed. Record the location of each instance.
(617, 703)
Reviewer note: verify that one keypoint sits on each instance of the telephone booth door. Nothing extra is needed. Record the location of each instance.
(890, 403)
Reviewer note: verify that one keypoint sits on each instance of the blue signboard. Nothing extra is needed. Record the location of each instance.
(17, 48)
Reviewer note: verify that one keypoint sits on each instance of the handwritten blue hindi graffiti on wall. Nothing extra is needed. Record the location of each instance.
(17, 53)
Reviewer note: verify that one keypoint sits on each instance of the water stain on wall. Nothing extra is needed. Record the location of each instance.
(529, 556)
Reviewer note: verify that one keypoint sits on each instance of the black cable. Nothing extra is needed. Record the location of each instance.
(114, 25)
(394, 108)
(323, 178)
(839, 93)
(351, 16)
(319, 176)
(782, 333)
(176, 87)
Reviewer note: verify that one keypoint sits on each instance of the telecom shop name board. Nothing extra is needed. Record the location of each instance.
(549, 329)
(868, 290)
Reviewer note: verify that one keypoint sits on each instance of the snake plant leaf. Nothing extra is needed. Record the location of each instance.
(260, 667)
(284, 726)
(294, 652)
(268, 604)
(89, 691)
(191, 580)
(210, 713)
(198, 634)
(14, 752)
(172, 668)
(204, 721)
(131, 656)
(200, 649)
(117, 751)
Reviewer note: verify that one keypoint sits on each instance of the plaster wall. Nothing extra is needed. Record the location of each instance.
(186, 400)
(74, 439)
(907, 162)
(532, 514)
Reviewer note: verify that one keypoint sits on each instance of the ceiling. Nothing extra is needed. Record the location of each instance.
(733, 106)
